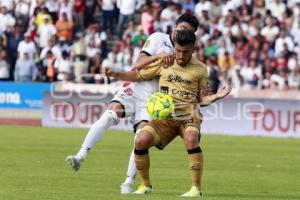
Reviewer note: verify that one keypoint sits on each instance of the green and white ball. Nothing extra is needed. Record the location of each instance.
(160, 106)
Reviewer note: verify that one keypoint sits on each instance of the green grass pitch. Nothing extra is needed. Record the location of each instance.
(33, 167)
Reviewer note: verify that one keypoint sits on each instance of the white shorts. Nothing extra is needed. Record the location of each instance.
(133, 107)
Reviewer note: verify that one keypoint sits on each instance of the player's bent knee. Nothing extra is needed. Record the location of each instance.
(144, 140)
(118, 108)
(191, 139)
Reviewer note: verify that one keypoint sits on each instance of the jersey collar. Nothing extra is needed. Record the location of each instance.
(172, 42)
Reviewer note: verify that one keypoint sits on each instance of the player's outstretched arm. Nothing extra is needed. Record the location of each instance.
(222, 92)
(125, 76)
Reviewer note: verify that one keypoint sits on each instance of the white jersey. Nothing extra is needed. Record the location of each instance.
(133, 96)
(156, 43)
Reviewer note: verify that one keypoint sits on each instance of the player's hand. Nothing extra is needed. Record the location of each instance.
(224, 91)
(111, 73)
(168, 59)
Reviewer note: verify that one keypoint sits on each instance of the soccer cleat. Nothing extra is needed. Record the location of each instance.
(194, 192)
(143, 190)
(74, 162)
(126, 188)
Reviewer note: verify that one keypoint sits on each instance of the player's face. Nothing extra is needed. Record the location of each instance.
(183, 54)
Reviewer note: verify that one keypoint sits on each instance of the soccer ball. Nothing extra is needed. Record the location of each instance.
(160, 106)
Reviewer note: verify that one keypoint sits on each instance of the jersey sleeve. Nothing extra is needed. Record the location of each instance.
(150, 72)
(151, 45)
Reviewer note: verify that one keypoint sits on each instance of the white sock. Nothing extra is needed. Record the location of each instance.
(131, 171)
(107, 119)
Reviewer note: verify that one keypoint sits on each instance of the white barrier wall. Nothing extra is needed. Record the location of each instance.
(77, 110)
(232, 116)
(264, 117)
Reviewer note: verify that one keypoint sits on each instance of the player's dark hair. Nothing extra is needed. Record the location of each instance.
(185, 37)
(188, 18)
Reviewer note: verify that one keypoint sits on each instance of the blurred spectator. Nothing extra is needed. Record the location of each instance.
(108, 15)
(65, 6)
(51, 71)
(8, 4)
(188, 6)
(41, 16)
(130, 31)
(138, 36)
(277, 8)
(63, 66)
(281, 41)
(226, 61)
(7, 20)
(78, 13)
(168, 17)
(201, 6)
(53, 47)
(210, 48)
(22, 9)
(96, 41)
(79, 57)
(213, 74)
(53, 7)
(64, 27)
(127, 8)
(13, 38)
(27, 46)
(147, 19)
(89, 10)
(251, 74)
(270, 30)
(4, 66)
(45, 32)
(25, 70)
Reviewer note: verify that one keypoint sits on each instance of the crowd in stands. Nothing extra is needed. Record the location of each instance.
(254, 44)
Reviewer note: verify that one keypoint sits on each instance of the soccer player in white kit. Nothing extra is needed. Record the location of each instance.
(131, 100)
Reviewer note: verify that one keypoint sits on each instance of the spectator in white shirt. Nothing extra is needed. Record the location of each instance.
(7, 21)
(22, 9)
(53, 47)
(4, 66)
(63, 67)
(66, 6)
(270, 31)
(25, 70)
(8, 4)
(27, 46)
(168, 18)
(281, 40)
(127, 8)
(45, 32)
(200, 6)
(277, 8)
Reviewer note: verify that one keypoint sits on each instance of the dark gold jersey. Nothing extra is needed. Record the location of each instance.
(183, 83)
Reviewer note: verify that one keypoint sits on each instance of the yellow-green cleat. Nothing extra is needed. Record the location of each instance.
(143, 190)
(194, 192)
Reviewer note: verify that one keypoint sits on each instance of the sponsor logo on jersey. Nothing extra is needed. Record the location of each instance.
(164, 89)
(128, 91)
(183, 93)
(126, 84)
(178, 79)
